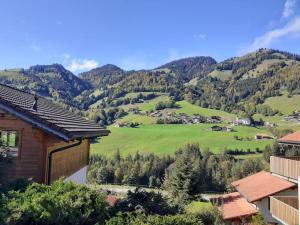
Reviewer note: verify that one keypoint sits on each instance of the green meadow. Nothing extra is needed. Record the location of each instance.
(166, 139)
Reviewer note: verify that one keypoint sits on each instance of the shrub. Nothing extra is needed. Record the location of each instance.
(147, 202)
(140, 219)
(61, 203)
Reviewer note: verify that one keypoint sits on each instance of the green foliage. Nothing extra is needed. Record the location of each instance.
(258, 219)
(147, 202)
(135, 170)
(61, 203)
(165, 105)
(140, 219)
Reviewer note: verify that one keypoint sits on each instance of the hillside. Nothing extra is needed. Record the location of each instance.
(240, 83)
(52, 81)
(189, 68)
(234, 85)
(103, 76)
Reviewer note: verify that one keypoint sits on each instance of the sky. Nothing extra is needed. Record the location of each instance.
(141, 34)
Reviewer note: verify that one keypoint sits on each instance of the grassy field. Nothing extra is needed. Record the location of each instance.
(190, 109)
(166, 139)
(284, 104)
(141, 119)
(196, 206)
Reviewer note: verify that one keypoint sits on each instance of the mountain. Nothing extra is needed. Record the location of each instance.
(52, 81)
(236, 84)
(102, 76)
(189, 68)
(246, 81)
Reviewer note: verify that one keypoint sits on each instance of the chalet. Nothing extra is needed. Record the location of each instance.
(243, 121)
(274, 194)
(216, 128)
(263, 137)
(44, 140)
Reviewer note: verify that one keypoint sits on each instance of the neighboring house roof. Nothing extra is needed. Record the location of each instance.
(293, 138)
(46, 115)
(112, 200)
(261, 185)
(235, 206)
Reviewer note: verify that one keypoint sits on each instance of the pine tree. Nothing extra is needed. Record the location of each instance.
(180, 182)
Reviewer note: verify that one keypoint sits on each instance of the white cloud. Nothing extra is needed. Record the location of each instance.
(199, 36)
(77, 65)
(289, 7)
(291, 29)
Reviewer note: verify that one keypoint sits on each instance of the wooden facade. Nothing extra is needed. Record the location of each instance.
(285, 208)
(288, 167)
(34, 147)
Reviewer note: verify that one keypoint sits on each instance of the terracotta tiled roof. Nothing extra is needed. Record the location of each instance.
(112, 200)
(261, 185)
(293, 138)
(46, 115)
(235, 206)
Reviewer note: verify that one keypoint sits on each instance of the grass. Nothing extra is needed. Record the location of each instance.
(284, 104)
(150, 105)
(279, 121)
(141, 119)
(166, 139)
(249, 156)
(196, 206)
(190, 109)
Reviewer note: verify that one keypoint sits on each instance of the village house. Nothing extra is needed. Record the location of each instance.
(274, 194)
(263, 137)
(44, 141)
(243, 121)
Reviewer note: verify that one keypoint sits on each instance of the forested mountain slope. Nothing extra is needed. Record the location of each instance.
(236, 84)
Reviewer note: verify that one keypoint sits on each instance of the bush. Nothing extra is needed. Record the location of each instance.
(140, 219)
(61, 203)
(210, 216)
(147, 202)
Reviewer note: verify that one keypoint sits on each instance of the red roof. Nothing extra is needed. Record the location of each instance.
(235, 206)
(112, 200)
(261, 185)
(293, 138)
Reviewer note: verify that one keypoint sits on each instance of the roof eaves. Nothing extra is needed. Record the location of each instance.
(32, 119)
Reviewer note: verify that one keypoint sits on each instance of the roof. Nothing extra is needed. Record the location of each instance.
(235, 206)
(112, 200)
(293, 138)
(47, 116)
(261, 185)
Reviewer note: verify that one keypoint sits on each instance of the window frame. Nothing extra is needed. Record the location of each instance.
(20, 134)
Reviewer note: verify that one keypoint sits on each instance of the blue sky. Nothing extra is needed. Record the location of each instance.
(135, 34)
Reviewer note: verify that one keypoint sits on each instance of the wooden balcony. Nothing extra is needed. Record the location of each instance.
(285, 209)
(288, 167)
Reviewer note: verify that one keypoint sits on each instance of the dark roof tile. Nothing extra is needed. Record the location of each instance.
(48, 116)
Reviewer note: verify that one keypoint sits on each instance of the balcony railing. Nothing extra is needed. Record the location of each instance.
(288, 167)
(285, 209)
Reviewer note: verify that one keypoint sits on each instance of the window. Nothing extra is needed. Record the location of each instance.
(10, 140)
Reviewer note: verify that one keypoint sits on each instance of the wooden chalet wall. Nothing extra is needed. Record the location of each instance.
(35, 145)
(68, 161)
(30, 161)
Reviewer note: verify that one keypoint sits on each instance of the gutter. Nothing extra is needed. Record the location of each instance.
(55, 151)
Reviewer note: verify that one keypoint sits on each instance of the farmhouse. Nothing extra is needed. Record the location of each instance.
(44, 140)
(274, 194)
(243, 121)
(262, 137)
(216, 128)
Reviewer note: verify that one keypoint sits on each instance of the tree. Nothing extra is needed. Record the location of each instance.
(181, 181)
